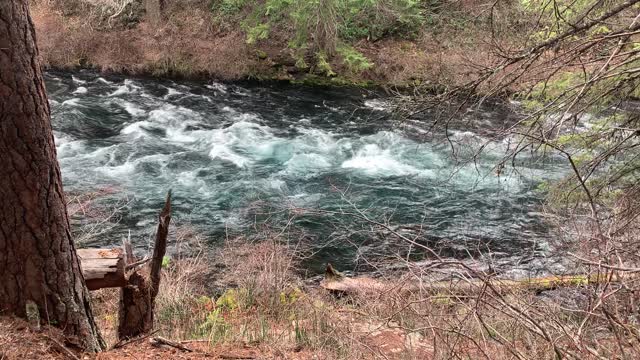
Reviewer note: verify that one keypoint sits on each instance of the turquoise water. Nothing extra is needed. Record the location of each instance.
(239, 156)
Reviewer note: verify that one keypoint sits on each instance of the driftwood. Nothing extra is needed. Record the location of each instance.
(102, 268)
(158, 340)
(135, 316)
(337, 283)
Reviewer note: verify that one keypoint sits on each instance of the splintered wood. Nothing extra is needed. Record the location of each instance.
(102, 268)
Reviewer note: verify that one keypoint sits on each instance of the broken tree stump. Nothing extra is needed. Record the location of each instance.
(135, 316)
(102, 268)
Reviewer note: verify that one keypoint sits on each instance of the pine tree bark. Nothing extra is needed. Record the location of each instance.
(38, 261)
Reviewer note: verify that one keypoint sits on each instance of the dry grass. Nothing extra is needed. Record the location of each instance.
(267, 306)
(252, 296)
(261, 302)
(193, 43)
(185, 45)
(248, 296)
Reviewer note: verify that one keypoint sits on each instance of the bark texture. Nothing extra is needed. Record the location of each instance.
(137, 299)
(38, 262)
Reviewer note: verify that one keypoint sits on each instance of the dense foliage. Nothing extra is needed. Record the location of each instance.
(322, 29)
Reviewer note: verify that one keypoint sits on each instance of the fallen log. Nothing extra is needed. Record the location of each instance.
(102, 268)
(337, 283)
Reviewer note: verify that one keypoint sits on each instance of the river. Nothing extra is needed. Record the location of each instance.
(241, 156)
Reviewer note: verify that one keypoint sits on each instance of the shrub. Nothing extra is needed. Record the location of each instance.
(353, 59)
(322, 28)
(228, 7)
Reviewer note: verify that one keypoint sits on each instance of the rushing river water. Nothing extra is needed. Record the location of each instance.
(232, 152)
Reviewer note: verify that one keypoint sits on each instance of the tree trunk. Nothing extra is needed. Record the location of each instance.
(38, 262)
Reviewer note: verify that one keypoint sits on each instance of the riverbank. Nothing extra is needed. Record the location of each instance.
(199, 40)
(253, 303)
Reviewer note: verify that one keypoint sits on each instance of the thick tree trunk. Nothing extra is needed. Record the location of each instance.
(38, 262)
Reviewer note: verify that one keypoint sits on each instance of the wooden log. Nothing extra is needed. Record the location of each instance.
(102, 268)
(337, 283)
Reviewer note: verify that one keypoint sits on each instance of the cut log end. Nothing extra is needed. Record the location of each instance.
(102, 268)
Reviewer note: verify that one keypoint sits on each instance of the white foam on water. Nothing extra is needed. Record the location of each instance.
(217, 87)
(120, 91)
(77, 81)
(241, 91)
(128, 87)
(377, 104)
(160, 159)
(190, 180)
(464, 135)
(67, 146)
(180, 136)
(73, 102)
(60, 138)
(100, 154)
(80, 90)
(103, 80)
(276, 184)
(129, 166)
(225, 153)
(306, 165)
(137, 129)
(76, 155)
(171, 92)
(133, 109)
(205, 97)
(418, 128)
(332, 108)
(70, 148)
(173, 115)
(246, 117)
(241, 135)
(372, 160)
(117, 171)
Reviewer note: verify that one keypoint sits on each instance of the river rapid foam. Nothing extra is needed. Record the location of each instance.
(227, 149)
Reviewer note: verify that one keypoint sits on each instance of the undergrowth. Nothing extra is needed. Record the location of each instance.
(250, 294)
